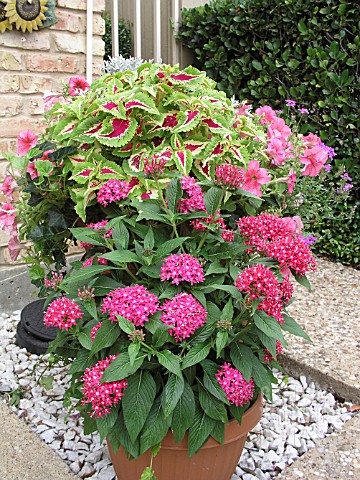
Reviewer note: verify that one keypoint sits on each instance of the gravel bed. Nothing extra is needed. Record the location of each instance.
(301, 414)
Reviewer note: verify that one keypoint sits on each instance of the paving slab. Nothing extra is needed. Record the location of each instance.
(330, 315)
(336, 457)
(23, 455)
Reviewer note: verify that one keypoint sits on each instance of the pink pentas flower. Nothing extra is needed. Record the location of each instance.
(184, 314)
(266, 113)
(314, 159)
(195, 200)
(54, 281)
(8, 186)
(97, 226)
(237, 390)
(254, 177)
(25, 141)
(112, 191)
(77, 86)
(101, 396)
(7, 214)
(267, 355)
(135, 303)
(182, 268)
(230, 176)
(62, 313)
(89, 261)
(227, 235)
(94, 331)
(287, 290)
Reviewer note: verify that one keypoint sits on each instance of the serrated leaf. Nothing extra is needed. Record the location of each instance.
(199, 431)
(183, 413)
(212, 200)
(171, 394)
(170, 361)
(221, 341)
(106, 423)
(173, 194)
(137, 401)
(121, 256)
(105, 336)
(155, 427)
(268, 325)
(44, 167)
(212, 406)
(196, 355)
(121, 368)
(290, 325)
(170, 246)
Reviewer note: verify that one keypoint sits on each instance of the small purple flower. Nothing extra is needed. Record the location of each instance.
(346, 176)
(303, 111)
(310, 239)
(327, 167)
(279, 112)
(290, 103)
(347, 187)
(329, 150)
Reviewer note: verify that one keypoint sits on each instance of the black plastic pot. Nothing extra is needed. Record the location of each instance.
(31, 332)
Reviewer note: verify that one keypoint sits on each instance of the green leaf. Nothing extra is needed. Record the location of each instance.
(216, 267)
(86, 273)
(218, 432)
(89, 425)
(170, 246)
(137, 401)
(237, 412)
(268, 342)
(148, 474)
(88, 235)
(183, 413)
(212, 406)
(171, 394)
(36, 272)
(242, 358)
(122, 256)
(212, 200)
(173, 194)
(149, 240)
(228, 311)
(155, 427)
(290, 325)
(85, 340)
(268, 325)
(221, 341)
(199, 431)
(105, 423)
(105, 336)
(302, 280)
(257, 65)
(170, 361)
(133, 350)
(120, 434)
(125, 324)
(196, 354)
(121, 368)
(212, 385)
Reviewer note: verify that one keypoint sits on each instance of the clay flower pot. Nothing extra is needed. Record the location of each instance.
(212, 462)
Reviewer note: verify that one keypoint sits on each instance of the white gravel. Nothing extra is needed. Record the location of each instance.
(301, 414)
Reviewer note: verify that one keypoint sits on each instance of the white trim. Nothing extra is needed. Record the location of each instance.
(137, 29)
(157, 31)
(175, 43)
(115, 28)
(89, 40)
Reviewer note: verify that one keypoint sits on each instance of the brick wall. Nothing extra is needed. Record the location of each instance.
(31, 63)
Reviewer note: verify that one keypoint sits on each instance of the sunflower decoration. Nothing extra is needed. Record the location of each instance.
(28, 15)
(4, 21)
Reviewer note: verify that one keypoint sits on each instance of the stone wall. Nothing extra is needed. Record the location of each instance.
(31, 63)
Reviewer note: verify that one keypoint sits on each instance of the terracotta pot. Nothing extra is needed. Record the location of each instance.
(212, 462)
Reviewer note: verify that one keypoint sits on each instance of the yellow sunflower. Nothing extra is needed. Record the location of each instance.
(28, 15)
(4, 22)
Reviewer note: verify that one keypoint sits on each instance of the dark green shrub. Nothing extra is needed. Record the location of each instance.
(125, 44)
(306, 50)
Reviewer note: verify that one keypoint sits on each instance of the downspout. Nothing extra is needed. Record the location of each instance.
(89, 40)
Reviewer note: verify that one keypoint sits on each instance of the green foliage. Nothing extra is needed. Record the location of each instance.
(306, 50)
(125, 43)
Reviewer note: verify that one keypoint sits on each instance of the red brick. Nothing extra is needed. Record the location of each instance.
(52, 63)
(38, 40)
(9, 83)
(67, 42)
(34, 84)
(13, 128)
(10, 61)
(69, 21)
(34, 105)
(10, 105)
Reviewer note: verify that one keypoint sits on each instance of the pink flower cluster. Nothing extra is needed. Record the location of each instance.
(237, 390)
(195, 200)
(200, 224)
(89, 261)
(182, 268)
(279, 238)
(94, 331)
(97, 226)
(259, 281)
(268, 357)
(55, 281)
(62, 313)
(135, 303)
(229, 176)
(184, 314)
(112, 191)
(101, 396)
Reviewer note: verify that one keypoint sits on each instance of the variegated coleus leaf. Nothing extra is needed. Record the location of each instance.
(216, 124)
(196, 145)
(176, 141)
(140, 101)
(187, 120)
(87, 130)
(108, 169)
(136, 161)
(183, 160)
(83, 172)
(114, 107)
(120, 132)
(187, 77)
(65, 128)
(201, 166)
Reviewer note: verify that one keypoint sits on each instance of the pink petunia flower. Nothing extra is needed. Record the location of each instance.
(8, 186)
(311, 140)
(266, 113)
(238, 391)
(14, 247)
(254, 177)
(62, 313)
(50, 99)
(77, 85)
(31, 170)
(26, 140)
(279, 129)
(314, 159)
(7, 214)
